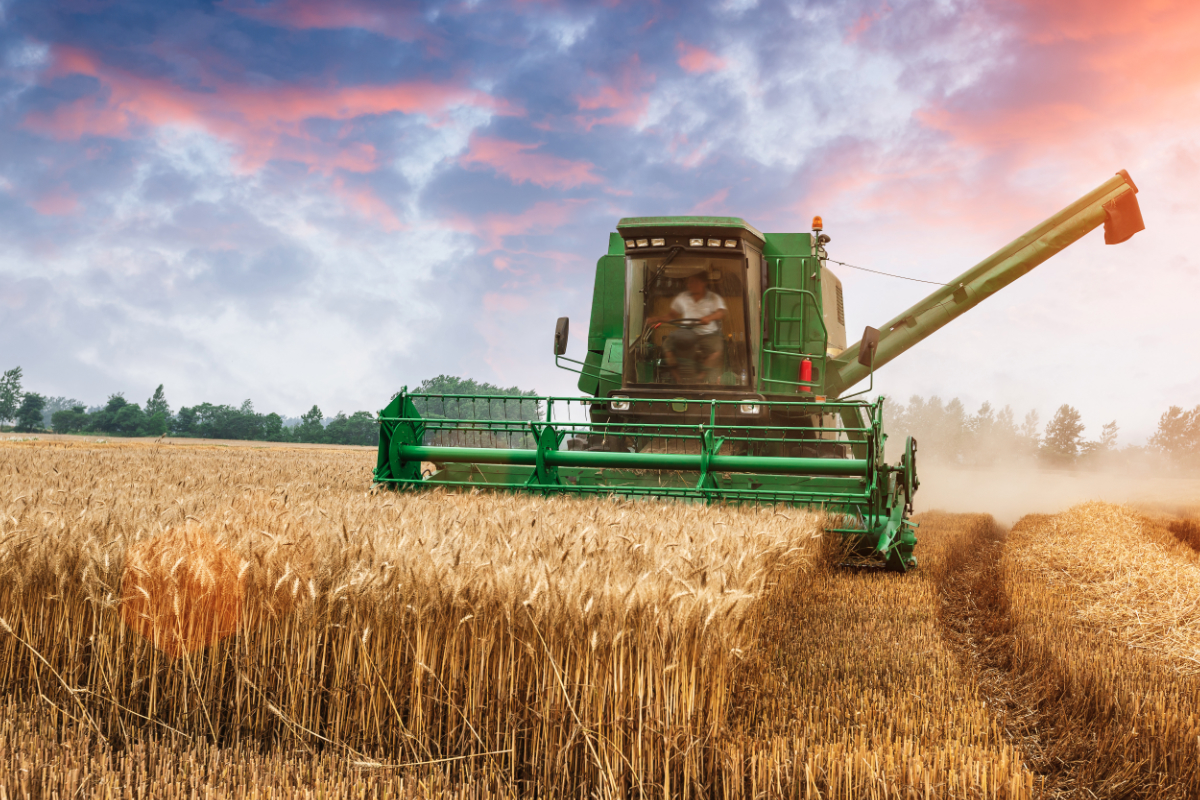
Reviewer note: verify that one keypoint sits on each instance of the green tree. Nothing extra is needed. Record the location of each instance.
(226, 422)
(10, 394)
(311, 427)
(130, 420)
(56, 404)
(184, 423)
(360, 427)
(155, 425)
(272, 428)
(158, 414)
(105, 420)
(29, 415)
(157, 404)
(1064, 434)
(70, 420)
(119, 417)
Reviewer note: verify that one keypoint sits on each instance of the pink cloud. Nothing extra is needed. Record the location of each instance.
(864, 23)
(367, 203)
(623, 101)
(265, 122)
(698, 60)
(521, 163)
(494, 302)
(544, 217)
(401, 21)
(714, 204)
(1080, 73)
(57, 202)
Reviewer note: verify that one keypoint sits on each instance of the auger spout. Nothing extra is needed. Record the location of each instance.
(1113, 204)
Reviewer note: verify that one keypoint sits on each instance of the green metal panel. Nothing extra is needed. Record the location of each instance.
(610, 367)
(787, 244)
(616, 245)
(983, 280)
(589, 375)
(793, 326)
(608, 302)
(608, 316)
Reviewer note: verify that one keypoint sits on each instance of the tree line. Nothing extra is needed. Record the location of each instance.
(30, 412)
(946, 432)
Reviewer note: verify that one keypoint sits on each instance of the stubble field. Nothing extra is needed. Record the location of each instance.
(190, 621)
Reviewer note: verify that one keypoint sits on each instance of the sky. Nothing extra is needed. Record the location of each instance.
(302, 202)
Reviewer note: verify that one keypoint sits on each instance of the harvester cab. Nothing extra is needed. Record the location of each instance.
(717, 369)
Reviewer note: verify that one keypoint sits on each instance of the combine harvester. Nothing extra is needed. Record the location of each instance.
(717, 370)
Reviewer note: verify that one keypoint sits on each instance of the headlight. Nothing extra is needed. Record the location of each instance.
(620, 405)
(642, 242)
(630, 243)
(658, 242)
(714, 242)
(749, 408)
(695, 242)
(731, 242)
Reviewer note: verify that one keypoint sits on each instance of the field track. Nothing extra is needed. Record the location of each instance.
(1058, 659)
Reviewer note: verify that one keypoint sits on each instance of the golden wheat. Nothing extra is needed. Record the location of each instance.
(265, 624)
(237, 595)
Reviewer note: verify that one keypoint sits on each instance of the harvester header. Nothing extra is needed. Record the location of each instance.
(717, 370)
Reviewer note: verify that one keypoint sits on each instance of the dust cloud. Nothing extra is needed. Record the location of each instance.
(1009, 494)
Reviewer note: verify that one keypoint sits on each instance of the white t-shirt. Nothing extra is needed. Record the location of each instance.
(689, 308)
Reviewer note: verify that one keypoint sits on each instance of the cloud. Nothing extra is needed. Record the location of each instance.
(1076, 76)
(521, 163)
(714, 204)
(265, 122)
(621, 101)
(56, 202)
(400, 21)
(698, 60)
(541, 218)
(864, 23)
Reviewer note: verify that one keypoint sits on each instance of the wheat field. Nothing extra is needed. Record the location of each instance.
(240, 622)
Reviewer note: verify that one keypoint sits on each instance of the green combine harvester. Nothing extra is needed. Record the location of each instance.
(717, 370)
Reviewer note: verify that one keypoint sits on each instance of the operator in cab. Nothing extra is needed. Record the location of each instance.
(697, 313)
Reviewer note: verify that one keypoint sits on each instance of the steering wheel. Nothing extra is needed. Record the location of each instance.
(685, 322)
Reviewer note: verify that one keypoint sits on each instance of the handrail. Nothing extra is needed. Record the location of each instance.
(597, 375)
(775, 322)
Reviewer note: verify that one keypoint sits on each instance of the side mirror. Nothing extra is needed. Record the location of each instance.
(867, 347)
(560, 336)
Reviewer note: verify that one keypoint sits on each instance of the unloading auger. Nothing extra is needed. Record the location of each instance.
(717, 370)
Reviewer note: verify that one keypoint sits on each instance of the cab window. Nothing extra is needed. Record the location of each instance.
(686, 322)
